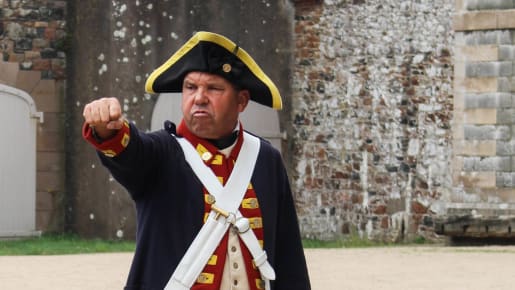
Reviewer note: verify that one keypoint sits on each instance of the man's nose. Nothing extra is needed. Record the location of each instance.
(200, 97)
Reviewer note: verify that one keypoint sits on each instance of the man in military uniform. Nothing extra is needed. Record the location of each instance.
(239, 231)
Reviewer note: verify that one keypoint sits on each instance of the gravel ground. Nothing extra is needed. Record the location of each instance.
(399, 268)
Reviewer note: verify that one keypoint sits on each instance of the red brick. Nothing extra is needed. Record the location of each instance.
(41, 64)
(418, 208)
(385, 222)
(379, 209)
(50, 33)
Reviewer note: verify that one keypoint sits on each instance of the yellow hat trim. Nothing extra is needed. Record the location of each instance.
(230, 46)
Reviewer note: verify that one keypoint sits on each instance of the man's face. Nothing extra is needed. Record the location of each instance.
(211, 105)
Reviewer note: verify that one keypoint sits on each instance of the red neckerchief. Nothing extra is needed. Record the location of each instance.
(183, 131)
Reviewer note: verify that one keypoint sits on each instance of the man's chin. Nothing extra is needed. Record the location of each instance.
(202, 132)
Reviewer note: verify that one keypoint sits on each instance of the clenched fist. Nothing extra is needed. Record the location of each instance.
(105, 115)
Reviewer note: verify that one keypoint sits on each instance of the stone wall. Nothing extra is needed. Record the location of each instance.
(396, 112)
(372, 107)
(33, 44)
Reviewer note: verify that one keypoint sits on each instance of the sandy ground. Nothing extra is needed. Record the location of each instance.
(399, 268)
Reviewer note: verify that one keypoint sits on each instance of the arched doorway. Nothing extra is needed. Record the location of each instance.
(18, 163)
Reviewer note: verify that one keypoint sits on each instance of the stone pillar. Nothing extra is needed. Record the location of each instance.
(116, 45)
(484, 119)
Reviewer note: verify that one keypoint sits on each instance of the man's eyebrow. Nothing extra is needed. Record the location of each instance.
(186, 81)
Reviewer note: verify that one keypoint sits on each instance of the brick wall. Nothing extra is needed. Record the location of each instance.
(372, 107)
(32, 46)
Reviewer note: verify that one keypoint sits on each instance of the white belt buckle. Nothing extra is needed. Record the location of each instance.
(242, 224)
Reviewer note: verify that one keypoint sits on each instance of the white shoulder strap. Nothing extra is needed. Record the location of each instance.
(228, 199)
(239, 179)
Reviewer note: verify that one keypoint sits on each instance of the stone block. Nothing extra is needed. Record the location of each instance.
(459, 101)
(483, 20)
(477, 53)
(9, 73)
(22, 44)
(59, 4)
(27, 80)
(46, 97)
(499, 195)
(54, 122)
(489, 4)
(60, 24)
(489, 100)
(50, 33)
(505, 148)
(395, 205)
(506, 116)
(44, 200)
(40, 43)
(493, 163)
(507, 52)
(49, 181)
(7, 45)
(495, 224)
(39, 24)
(480, 116)
(41, 64)
(476, 85)
(505, 179)
(458, 132)
(25, 65)
(43, 218)
(16, 57)
(476, 148)
(477, 179)
(50, 142)
(505, 84)
(489, 69)
(506, 19)
(496, 37)
(487, 132)
(460, 71)
(48, 53)
(50, 161)
(31, 54)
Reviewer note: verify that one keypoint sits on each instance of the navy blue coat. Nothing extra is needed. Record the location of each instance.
(170, 208)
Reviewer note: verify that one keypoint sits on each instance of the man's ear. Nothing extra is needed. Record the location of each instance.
(243, 99)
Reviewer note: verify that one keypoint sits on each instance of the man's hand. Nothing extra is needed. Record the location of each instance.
(105, 116)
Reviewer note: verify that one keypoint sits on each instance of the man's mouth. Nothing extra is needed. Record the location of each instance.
(200, 114)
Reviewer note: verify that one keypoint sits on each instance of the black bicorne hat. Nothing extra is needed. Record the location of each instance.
(214, 53)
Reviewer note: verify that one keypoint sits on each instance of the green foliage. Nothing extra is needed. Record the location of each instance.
(348, 242)
(354, 241)
(62, 244)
